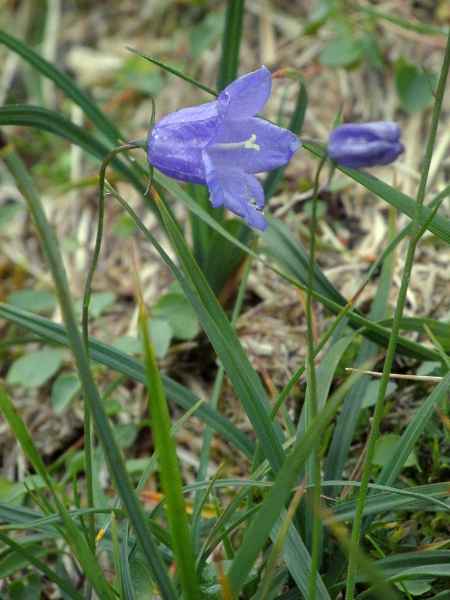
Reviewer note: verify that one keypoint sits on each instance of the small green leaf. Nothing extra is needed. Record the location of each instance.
(206, 33)
(64, 390)
(318, 15)
(125, 227)
(160, 333)
(128, 344)
(141, 580)
(370, 49)
(14, 561)
(414, 85)
(5, 488)
(371, 395)
(180, 315)
(35, 369)
(28, 589)
(415, 587)
(35, 301)
(384, 448)
(99, 302)
(343, 51)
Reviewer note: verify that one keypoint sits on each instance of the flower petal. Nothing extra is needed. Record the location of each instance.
(240, 192)
(272, 146)
(357, 145)
(380, 130)
(176, 142)
(367, 155)
(248, 94)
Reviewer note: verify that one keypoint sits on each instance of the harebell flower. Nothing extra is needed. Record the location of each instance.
(222, 145)
(358, 145)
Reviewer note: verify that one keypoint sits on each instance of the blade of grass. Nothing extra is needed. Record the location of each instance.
(123, 363)
(274, 503)
(169, 469)
(102, 427)
(174, 72)
(231, 42)
(48, 120)
(223, 337)
(440, 226)
(65, 83)
(409, 261)
(82, 550)
(63, 585)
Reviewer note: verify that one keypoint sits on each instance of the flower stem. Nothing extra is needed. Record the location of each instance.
(413, 239)
(85, 327)
(314, 494)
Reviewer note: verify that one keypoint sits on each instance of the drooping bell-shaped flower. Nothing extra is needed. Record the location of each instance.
(358, 145)
(221, 145)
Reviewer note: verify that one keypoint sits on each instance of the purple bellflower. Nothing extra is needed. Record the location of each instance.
(358, 145)
(221, 145)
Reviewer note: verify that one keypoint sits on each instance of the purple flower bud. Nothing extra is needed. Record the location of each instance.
(221, 145)
(358, 145)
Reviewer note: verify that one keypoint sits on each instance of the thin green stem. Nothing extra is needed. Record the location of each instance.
(413, 239)
(313, 496)
(87, 425)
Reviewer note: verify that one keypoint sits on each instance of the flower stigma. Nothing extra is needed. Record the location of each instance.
(250, 143)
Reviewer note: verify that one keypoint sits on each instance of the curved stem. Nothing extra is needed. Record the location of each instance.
(314, 494)
(85, 327)
(409, 261)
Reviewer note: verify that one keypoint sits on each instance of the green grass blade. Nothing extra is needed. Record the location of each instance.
(62, 81)
(82, 550)
(277, 498)
(103, 429)
(174, 72)
(231, 42)
(169, 469)
(420, 28)
(227, 346)
(439, 225)
(63, 584)
(123, 363)
(42, 118)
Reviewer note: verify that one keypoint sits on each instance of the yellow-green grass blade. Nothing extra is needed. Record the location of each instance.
(169, 469)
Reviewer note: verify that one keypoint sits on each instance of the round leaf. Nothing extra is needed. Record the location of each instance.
(141, 580)
(27, 589)
(35, 369)
(64, 390)
(384, 448)
(160, 333)
(36, 301)
(414, 86)
(180, 315)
